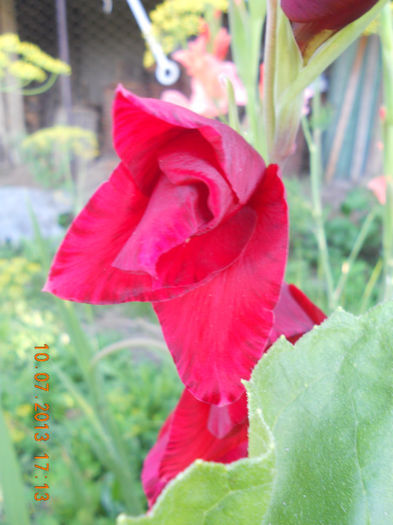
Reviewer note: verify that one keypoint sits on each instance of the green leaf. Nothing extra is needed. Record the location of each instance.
(329, 404)
(288, 65)
(321, 447)
(214, 494)
(329, 51)
(288, 101)
(288, 61)
(246, 24)
(233, 115)
(246, 32)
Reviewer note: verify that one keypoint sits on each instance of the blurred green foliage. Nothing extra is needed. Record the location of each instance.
(50, 153)
(342, 227)
(119, 402)
(137, 389)
(108, 401)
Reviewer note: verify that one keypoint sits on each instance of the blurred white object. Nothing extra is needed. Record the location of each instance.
(167, 71)
(107, 6)
(15, 219)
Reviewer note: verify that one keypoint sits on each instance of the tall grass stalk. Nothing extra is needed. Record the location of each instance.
(11, 483)
(348, 264)
(246, 23)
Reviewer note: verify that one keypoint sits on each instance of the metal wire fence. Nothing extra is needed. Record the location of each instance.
(104, 46)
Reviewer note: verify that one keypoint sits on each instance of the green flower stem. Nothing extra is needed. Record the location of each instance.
(314, 146)
(44, 87)
(257, 14)
(329, 51)
(233, 115)
(269, 75)
(386, 33)
(246, 29)
(347, 266)
(370, 286)
(32, 91)
(257, 138)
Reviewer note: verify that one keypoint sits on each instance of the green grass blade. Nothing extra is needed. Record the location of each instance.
(11, 480)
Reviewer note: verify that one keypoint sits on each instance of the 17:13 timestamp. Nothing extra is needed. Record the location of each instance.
(41, 417)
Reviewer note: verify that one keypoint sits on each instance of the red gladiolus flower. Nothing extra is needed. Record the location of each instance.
(314, 16)
(197, 430)
(329, 14)
(193, 221)
(294, 315)
(209, 95)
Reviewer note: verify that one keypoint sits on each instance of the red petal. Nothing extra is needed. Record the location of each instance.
(196, 430)
(329, 14)
(125, 247)
(194, 163)
(82, 269)
(171, 217)
(294, 314)
(202, 256)
(314, 313)
(143, 126)
(222, 419)
(186, 437)
(190, 199)
(217, 332)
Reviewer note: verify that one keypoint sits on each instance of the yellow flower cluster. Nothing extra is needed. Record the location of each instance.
(23, 323)
(26, 72)
(14, 274)
(4, 61)
(72, 139)
(9, 42)
(26, 61)
(174, 21)
(36, 56)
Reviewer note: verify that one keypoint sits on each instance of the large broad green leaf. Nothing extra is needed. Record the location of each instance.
(214, 494)
(329, 403)
(321, 437)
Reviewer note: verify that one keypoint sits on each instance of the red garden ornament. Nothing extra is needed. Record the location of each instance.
(192, 220)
